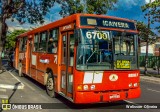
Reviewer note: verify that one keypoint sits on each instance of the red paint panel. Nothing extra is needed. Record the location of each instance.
(93, 97)
(107, 87)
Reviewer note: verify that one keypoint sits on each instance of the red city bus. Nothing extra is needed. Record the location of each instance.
(86, 58)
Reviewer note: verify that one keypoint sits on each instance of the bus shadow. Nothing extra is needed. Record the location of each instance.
(105, 105)
(33, 81)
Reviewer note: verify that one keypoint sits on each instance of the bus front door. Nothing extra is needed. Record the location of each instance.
(67, 63)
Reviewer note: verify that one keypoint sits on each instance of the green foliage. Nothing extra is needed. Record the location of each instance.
(27, 10)
(144, 32)
(100, 6)
(153, 10)
(90, 6)
(11, 38)
(70, 7)
(32, 11)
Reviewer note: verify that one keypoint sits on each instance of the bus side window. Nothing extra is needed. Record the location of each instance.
(36, 42)
(43, 41)
(20, 44)
(23, 44)
(53, 41)
(72, 41)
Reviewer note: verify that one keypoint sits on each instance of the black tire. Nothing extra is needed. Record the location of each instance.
(50, 86)
(20, 70)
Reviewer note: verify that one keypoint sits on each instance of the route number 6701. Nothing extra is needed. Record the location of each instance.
(97, 35)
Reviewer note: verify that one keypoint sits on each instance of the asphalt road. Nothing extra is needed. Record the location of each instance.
(34, 92)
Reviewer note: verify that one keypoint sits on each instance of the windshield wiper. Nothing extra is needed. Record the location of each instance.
(93, 54)
(90, 56)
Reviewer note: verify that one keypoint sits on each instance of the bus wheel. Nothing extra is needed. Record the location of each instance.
(20, 70)
(50, 86)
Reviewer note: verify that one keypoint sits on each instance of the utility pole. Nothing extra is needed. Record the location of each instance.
(147, 42)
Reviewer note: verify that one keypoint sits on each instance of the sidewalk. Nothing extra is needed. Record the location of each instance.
(150, 79)
(7, 79)
(8, 84)
(149, 70)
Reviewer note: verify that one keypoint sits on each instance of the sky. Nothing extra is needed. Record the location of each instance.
(130, 9)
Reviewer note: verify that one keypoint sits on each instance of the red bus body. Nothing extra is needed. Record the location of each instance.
(79, 86)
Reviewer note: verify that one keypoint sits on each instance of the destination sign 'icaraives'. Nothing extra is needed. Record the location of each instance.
(116, 24)
(107, 22)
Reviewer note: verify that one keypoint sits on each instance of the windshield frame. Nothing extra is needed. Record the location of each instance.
(113, 59)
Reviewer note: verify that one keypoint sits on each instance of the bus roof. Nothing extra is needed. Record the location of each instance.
(68, 20)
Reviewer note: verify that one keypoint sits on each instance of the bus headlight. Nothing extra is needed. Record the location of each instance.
(135, 84)
(93, 87)
(85, 87)
(130, 85)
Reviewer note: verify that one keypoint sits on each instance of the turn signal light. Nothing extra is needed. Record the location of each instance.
(79, 87)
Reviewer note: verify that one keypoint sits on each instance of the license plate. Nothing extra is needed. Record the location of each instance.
(114, 96)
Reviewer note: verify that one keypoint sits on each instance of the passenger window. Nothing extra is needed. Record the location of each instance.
(64, 53)
(23, 44)
(53, 41)
(36, 40)
(43, 41)
(20, 44)
(72, 41)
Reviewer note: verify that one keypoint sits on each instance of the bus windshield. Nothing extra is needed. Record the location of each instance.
(99, 49)
(123, 43)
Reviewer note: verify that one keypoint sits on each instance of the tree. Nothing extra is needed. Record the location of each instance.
(22, 10)
(144, 33)
(11, 38)
(152, 9)
(86, 6)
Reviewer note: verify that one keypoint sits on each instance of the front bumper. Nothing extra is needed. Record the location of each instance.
(97, 97)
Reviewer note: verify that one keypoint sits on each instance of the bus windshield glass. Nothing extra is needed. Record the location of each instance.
(100, 49)
(123, 43)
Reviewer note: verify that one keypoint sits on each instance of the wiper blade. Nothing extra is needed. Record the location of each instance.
(90, 56)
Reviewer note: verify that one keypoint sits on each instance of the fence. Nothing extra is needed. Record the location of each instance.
(153, 61)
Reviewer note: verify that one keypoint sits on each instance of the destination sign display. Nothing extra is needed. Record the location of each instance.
(106, 22)
(123, 64)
